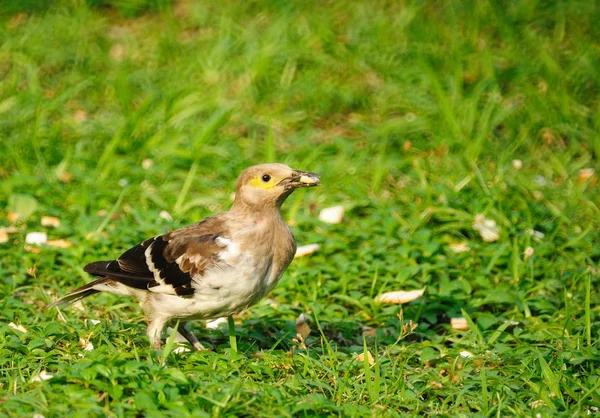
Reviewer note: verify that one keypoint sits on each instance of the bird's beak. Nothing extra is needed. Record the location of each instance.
(300, 179)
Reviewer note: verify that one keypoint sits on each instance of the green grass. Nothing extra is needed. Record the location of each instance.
(412, 112)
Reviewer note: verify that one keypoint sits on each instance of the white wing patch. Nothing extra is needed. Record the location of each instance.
(232, 249)
(162, 287)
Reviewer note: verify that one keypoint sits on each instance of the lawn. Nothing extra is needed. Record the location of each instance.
(461, 138)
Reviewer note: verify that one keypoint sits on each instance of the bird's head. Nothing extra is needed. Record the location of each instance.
(268, 185)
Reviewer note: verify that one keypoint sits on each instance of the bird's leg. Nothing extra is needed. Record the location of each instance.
(155, 327)
(188, 335)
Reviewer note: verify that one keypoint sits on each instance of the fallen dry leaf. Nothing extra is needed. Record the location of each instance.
(459, 324)
(459, 247)
(42, 376)
(306, 250)
(3, 236)
(64, 176)
(32, 270)
(585, 174)
(180, 350)
(165, 215)
(436, 385)
(487, 228)
(332, 215)
(302, 327)
(361, 358)
(60, 243)
(86, 344)
(147, 163)
(12, 217)
(18, 327)
(52, 221)
(400, 296)
(32, 249)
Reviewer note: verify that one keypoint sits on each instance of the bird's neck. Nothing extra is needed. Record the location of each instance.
(256, 213)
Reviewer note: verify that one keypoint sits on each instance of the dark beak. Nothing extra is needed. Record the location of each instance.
(300, 179)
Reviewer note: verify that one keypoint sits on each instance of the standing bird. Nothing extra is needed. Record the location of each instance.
(217, 267)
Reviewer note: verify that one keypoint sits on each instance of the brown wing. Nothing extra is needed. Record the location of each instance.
(167, 263)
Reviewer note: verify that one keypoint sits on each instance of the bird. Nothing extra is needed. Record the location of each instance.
(214, 268)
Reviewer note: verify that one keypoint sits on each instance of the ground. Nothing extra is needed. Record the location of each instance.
(460, 137)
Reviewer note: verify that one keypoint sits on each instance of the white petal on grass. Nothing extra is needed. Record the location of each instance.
(180, 350)
(147, 163)
(36, 238)
(91, 321)
(534, 233)
(459, 247)
(487, 228)
(517, 164)
(20, 328)
(459, 324)
(165, 215)
(528, 253)
(466, 354)
(52, 221)
(216, 323)
(306, 250)
(400, 296)
(42, 376)
(332, 215)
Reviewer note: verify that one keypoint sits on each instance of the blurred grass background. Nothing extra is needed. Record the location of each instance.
(418, 115)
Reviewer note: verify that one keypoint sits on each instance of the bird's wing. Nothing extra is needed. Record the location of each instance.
(167, 263)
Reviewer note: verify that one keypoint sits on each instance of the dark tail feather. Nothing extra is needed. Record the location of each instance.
(80, 293)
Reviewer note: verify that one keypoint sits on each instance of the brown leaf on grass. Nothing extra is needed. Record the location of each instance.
(52, 221)
(12, 217)
(32, 249)
(459, 247)
(64, 176)
(400, 296)
(20, 328)
(585, 174)
(302, 327)
(459, 324)
(3, 236)
(32, 270)
(59, 243)
(361, 358)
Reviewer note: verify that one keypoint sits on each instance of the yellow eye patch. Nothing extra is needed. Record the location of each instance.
(258, 182)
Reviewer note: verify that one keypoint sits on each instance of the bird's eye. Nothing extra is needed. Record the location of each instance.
(266, 178)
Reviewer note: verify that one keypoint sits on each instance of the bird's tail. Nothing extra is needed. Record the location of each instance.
(83, 292)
